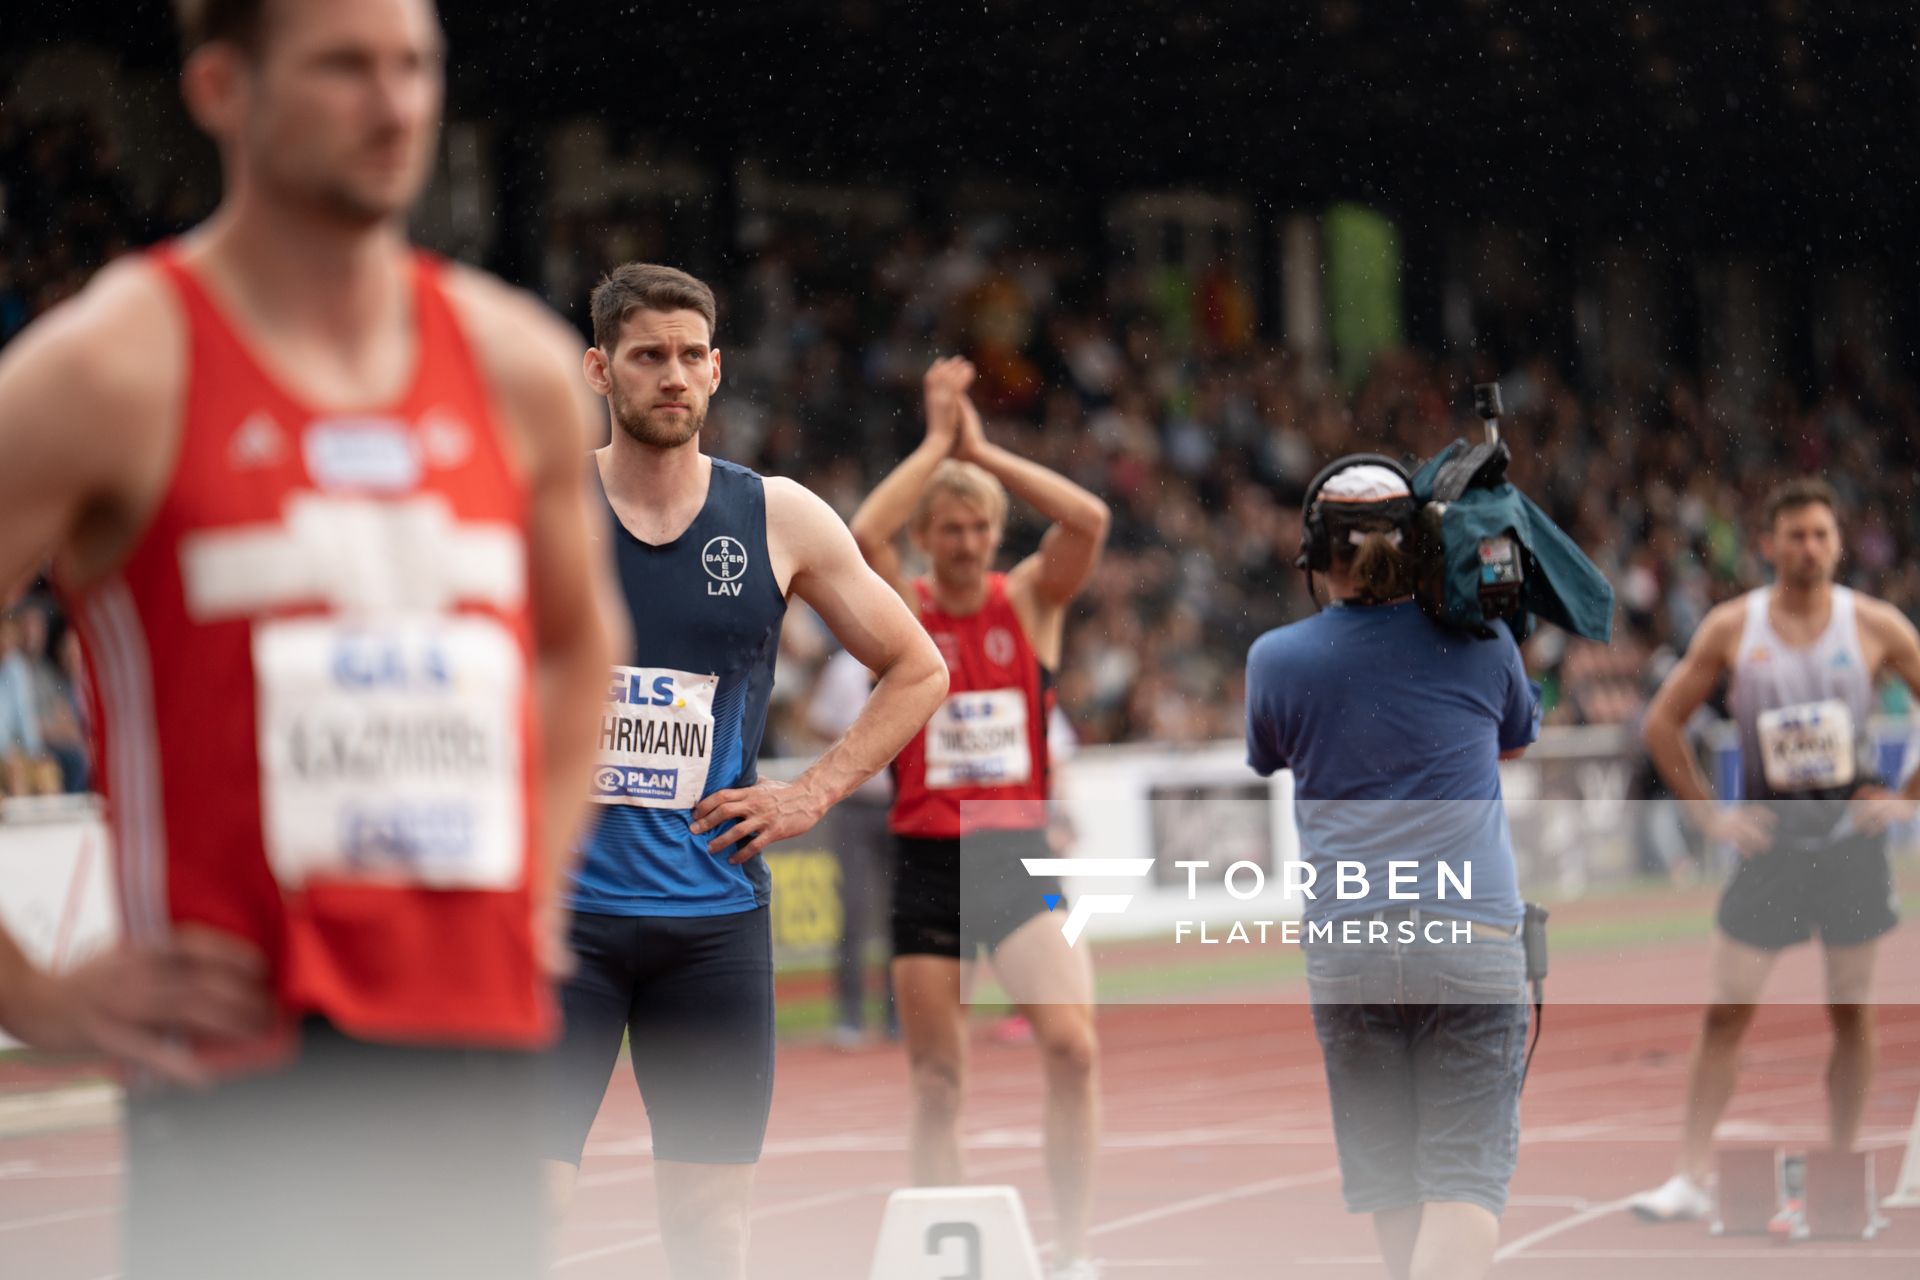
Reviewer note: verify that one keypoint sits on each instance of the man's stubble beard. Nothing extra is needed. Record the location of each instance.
(641, 429)
(335, 196)
(1810, 579)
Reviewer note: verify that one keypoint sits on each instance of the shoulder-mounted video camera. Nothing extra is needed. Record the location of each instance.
(1482, 551)
(1493, 559)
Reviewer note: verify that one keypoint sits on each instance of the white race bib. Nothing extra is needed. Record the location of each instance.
(656, 738)
(391, 751)
(1807, 747)
(979, 740)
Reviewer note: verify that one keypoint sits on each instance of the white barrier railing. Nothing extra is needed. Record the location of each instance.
(1567, 801)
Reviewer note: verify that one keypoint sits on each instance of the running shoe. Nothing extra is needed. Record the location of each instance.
(1678, 1199)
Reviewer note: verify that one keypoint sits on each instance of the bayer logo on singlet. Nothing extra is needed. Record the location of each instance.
(724, 558)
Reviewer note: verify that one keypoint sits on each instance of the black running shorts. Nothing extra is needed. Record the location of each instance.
(694, 998)
(956, 897)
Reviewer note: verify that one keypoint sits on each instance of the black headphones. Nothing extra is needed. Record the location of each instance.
(1316, 548)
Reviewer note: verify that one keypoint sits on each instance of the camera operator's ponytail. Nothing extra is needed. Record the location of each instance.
(1382, 569)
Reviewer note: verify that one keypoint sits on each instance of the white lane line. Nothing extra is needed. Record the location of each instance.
(1561, 1227)
(1203, 1266)
(1245, 1191)
(32, 1171)
(895, 1143)
(781, 1209)
(51, 1219)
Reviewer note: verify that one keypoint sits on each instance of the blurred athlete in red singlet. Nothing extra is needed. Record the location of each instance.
(972, 787)
(315, 501)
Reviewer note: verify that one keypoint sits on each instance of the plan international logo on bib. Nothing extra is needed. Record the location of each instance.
(636, 784)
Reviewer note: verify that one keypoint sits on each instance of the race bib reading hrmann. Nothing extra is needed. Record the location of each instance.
(979, 740)
(391, 752)
(1807, 747)
(656, 738)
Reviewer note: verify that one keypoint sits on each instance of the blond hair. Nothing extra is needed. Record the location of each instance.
(971, 484)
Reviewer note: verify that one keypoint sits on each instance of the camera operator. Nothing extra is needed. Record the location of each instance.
(1418, 989)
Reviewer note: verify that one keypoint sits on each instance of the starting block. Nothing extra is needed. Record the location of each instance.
(1840, 1200)
(1906, 1190)
(955, 1233)
(1750, 1191)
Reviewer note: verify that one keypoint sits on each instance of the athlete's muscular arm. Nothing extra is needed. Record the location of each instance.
(48, 472)
(1045, 582)
(1876, 808)
(888, 508)
(1690, 683)
(813, 551)
(532, 359)
(88, 415)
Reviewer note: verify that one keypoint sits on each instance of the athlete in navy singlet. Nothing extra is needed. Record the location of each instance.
(670, 924)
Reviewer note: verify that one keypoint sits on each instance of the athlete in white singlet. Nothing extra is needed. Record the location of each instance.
(1802, 656)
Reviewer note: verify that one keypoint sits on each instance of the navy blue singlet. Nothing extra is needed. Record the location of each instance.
(685, 714)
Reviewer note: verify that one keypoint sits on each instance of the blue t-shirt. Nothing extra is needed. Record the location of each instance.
(1393, 726)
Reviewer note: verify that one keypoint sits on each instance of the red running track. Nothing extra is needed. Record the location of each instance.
(1218, 1159)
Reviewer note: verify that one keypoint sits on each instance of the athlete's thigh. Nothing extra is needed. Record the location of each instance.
(1850, 973)
(702, 1038)
(1038, 966)
(1738, 971)
(594, 1005)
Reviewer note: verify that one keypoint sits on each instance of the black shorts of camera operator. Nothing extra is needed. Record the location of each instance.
(1394, 727)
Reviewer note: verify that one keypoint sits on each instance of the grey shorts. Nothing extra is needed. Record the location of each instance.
(1425, 1047)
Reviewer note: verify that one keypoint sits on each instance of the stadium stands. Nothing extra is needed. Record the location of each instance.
(1154, 386)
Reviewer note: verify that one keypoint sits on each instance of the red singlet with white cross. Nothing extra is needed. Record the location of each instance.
(988, 740)
(316, 727)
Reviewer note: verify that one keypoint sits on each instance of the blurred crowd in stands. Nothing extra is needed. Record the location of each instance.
(43, 739)
(1150, 384)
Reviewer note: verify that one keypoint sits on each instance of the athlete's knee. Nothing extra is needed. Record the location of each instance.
(1850, 1020)
(1070, 1052)
(714, 1225)
(704, 1219)
(1726, 1023)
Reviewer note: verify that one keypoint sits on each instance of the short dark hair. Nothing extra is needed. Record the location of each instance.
(645, 286)
(203, 22)
(1802, 491)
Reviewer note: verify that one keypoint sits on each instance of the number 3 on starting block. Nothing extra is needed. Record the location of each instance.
(955, 1233)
